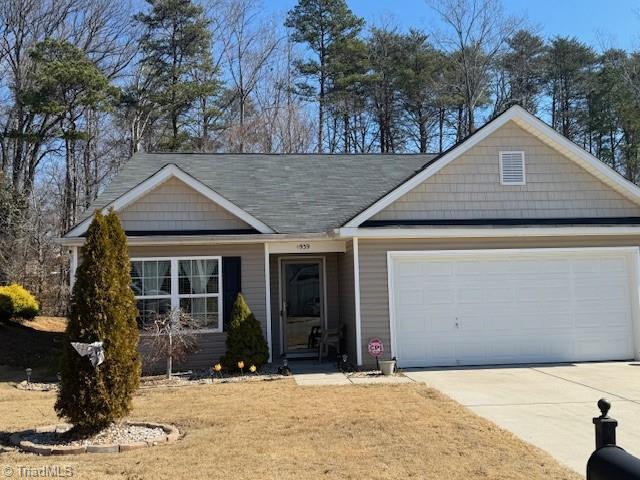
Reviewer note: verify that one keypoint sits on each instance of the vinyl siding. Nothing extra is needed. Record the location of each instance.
(469, 187)
(210, 348)
(333, 295)
(347, 299)
(176, 206)
(374, 294)
(212, 345)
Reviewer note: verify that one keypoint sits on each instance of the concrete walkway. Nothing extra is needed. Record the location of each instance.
(550, 406)
(318, 374)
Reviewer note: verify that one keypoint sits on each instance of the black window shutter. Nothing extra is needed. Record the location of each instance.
(231, 286)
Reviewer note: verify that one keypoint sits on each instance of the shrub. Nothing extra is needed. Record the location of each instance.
(16, 301)
(102, 309)
(244, 338)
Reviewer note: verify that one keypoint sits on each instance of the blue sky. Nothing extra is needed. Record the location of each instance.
(613, 23)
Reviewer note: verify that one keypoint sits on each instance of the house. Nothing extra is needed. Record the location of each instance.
(513, 246)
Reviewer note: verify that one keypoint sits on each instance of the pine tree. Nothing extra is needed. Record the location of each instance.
(245, 341)
(102, 309)
(568, 63)
(320, 24)
(175, 43)
(521, 72)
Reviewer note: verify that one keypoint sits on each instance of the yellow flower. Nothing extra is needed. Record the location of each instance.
(240, 364)
(252, 369)
(217, 367)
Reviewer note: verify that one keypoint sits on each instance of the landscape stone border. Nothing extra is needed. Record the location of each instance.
(37, 386)
(172, 434)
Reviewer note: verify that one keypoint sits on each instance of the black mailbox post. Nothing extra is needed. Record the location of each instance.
(608, 461)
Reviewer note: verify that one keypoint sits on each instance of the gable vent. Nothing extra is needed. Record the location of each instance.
(512, 168)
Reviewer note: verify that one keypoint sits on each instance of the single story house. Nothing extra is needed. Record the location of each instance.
(513, 246)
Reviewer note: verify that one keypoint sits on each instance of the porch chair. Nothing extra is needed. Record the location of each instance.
(329, 337)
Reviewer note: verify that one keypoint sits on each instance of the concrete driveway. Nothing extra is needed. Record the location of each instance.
(550, 406)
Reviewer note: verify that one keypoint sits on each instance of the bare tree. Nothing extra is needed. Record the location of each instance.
(252, 43)
(172, 338)
(478, 32)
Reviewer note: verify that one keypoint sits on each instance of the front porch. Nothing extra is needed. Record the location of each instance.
(311, 298)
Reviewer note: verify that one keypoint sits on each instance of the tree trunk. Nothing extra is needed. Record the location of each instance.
(170, 356)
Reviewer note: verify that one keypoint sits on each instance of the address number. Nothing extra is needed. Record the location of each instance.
(304, 246)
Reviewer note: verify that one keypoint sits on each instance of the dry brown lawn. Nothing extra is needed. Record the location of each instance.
(46, 324)
(278, 430)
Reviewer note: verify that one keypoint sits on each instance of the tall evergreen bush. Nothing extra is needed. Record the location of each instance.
(102, 309)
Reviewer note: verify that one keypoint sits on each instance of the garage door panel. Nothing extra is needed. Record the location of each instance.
(439, 295)
(592, 348)
(532, 306)
(442, 324)
(412, 297)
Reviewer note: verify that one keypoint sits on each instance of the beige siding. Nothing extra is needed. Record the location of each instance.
(333, 302)
(347, 299)
(176, 206)
(469, 187)
(276, 339)
(212, 345)
(374, 294)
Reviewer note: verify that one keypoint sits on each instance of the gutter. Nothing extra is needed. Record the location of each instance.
(207, 239)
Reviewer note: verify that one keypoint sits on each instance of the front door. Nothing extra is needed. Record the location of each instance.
(302, 305)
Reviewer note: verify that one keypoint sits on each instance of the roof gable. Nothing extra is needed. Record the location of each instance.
(527, 122)
(174, 206)
(471, 187)
(170, 171)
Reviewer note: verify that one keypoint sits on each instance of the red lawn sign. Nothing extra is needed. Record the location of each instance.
(375, 348)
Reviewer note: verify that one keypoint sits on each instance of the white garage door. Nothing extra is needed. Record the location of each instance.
(512, 306)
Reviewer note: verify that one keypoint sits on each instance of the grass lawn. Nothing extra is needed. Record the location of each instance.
(278, 430)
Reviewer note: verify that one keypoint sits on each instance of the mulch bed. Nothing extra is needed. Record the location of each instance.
(195, 379)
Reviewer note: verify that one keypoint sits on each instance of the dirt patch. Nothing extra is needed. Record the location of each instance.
(278, 430)
(33, 344)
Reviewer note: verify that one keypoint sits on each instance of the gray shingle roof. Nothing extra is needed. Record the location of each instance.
(290, 193)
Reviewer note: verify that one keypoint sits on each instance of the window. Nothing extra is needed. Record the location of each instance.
(512, 168)
(151, 284)
(192, 284)
(198, 290)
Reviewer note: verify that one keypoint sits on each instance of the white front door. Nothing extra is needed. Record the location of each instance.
(512, 306)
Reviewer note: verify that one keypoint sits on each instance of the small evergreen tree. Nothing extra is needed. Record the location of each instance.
(244, 339)
(102, 309)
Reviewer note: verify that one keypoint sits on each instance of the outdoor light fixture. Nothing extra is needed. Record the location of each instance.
(284, 369)
(29, 370)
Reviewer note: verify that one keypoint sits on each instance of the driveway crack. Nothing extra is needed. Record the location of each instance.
(620, 397)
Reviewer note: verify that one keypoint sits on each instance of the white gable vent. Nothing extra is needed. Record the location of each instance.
(512, 168)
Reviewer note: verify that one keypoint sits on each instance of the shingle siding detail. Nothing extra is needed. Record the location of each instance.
(470, 186)
(176, 206)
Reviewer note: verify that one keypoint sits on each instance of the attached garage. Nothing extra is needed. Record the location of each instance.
(481, 307)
